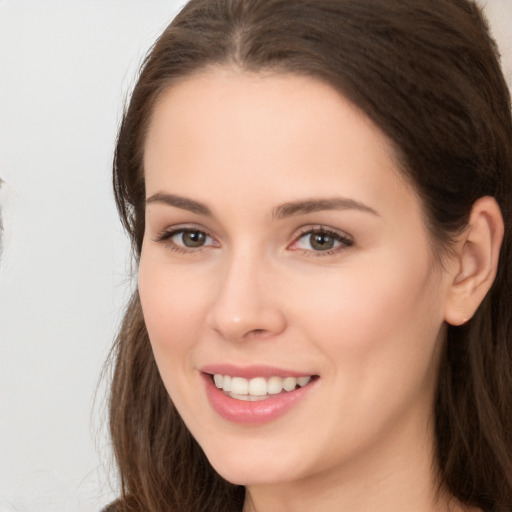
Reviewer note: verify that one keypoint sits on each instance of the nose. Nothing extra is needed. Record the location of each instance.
(246, 305)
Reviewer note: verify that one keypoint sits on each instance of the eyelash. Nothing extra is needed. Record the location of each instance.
(165, 238)
(344, 241)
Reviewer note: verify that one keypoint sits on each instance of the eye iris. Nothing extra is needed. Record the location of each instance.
(193, 238)
(321, 241)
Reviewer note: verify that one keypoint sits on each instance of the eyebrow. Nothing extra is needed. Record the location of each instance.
(285, 210)
(180, 202)
(316, 205)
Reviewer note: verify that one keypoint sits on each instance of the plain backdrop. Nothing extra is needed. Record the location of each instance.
(65, 274)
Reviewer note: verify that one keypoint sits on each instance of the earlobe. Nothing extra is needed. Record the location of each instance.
(476, 256)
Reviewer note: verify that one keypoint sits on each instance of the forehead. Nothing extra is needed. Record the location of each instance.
(260, 103)
(278, 134)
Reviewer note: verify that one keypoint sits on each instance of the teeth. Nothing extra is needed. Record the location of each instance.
(258, 386)
(245, 389)
(218, 379)
(302, 381)
(274, 385)
(289, 383)
(239, 386)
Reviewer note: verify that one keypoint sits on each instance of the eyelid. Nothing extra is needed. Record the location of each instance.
(165, 237)
(346, 241)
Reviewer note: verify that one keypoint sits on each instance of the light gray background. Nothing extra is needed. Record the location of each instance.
(65, 68)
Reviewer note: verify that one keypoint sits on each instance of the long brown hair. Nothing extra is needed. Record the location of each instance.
(428, 74)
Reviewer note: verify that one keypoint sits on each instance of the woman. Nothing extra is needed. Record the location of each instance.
(318, 193)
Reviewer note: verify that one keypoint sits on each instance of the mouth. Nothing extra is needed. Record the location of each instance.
(259, 388)
(258, 394)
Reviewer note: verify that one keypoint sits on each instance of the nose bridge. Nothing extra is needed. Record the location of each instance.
(244, 304)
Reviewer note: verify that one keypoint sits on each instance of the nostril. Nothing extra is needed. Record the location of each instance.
(256, 333)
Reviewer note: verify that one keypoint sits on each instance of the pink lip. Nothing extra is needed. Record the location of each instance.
(253, 413)
(250, 372)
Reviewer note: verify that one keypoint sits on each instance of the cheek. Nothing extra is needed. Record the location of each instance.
(378, 333)
(173, 304)
(377, 320)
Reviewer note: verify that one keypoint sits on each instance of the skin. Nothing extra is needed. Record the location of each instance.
(368, 317)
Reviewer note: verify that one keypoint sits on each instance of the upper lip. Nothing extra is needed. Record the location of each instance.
(250, 372)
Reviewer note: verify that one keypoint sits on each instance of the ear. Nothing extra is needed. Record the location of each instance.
(475, 261)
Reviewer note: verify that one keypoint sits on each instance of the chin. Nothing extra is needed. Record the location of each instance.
(244, 467)
(250, 476)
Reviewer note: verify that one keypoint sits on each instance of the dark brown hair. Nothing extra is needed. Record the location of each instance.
(427, 73)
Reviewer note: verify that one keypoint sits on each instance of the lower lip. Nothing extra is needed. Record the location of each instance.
(253, 413)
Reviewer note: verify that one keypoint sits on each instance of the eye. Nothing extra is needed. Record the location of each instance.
(185, 240)
(191, 239)
(322, 240)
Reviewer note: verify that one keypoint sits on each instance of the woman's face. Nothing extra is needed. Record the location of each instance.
(283, 249)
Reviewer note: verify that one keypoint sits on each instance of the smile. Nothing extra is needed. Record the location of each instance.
(263, 395)
(258, 388)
